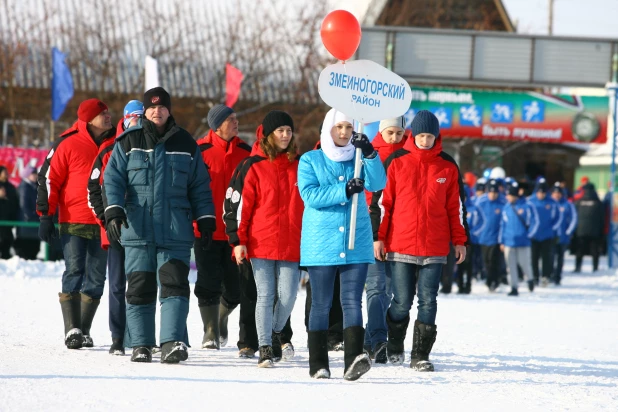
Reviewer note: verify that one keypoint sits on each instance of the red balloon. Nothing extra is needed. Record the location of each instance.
(341, 34)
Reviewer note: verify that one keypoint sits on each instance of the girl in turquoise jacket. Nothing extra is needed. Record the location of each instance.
(326, 183)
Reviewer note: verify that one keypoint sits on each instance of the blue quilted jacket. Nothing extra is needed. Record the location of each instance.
(326, 219)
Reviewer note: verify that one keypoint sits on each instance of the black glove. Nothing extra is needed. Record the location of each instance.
(113, 229)
(361, 141)
(47, 230)
(206, 226)
(354, 185)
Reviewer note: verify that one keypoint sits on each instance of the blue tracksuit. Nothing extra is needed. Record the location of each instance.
(519, 222)
(549, 217)
(491, 214)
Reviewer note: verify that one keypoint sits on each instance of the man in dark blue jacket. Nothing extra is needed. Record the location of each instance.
(156, 185)
(543, 239)
(519, 222)
(568, 224)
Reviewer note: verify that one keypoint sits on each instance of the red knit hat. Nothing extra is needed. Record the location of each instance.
(89, 109)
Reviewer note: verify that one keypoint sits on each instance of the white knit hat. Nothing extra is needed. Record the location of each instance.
(399, 122)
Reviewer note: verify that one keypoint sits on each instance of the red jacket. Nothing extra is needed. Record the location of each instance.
(63, 178)
(96, 197)
(221, 159)
(263, 208)
(384, 151)
(421, 209)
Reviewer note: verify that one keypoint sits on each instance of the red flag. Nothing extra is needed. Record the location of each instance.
(233, 78)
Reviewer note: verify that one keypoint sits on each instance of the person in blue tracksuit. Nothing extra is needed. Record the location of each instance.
(156, 186)
(327, 184)
(490, 208)
(478, 268)
(564, 232)
(543, 239)
(465, 271)
(518, 224)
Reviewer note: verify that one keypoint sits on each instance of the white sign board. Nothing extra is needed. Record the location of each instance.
(364, 90)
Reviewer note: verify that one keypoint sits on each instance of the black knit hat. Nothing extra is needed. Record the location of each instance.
(425, 122)
(275, 119)
(157, 97)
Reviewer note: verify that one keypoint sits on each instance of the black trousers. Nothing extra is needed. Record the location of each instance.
(593, 244)
(335, 317)
(542, 250)
(27, 248)
(247, 336)
(491, 260)
(217, 274)
(464, 271)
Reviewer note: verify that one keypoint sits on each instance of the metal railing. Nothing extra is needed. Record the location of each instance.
(17, 223)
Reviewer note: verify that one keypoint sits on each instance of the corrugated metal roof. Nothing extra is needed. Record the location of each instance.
(106, 45)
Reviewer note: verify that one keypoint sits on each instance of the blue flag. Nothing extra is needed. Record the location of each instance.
(62, 84)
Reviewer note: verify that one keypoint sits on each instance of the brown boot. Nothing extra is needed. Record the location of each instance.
(70, 303)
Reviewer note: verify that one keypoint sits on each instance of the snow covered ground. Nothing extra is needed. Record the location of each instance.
(555, 349)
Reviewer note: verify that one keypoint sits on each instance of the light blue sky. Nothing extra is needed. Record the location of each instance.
(589, 18)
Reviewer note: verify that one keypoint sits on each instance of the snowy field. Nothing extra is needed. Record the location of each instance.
(555, 349)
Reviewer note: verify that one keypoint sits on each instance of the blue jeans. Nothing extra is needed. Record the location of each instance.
(117, 291)
(404, 276)
(378, 300)
(352, 283)
(272, 277)
(85, 261)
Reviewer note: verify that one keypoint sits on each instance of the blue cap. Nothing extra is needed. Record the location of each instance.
(132, 109)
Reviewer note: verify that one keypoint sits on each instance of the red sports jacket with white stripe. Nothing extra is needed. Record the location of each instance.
(263, 208)
(63, 178)
(421, 210)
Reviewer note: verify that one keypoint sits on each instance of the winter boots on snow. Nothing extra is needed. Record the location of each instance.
(513, 292)
(225, 309)
(142, 354)
(117, 347)
(396, 336)
(70, 303)
(88, 310)
(281, 348)
(379, 354)
(266, 358)
(174, 352)
(422, 342)
(318, 354)
(210, 318)
(356, 360)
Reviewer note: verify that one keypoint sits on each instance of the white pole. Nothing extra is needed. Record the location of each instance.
(353, 212)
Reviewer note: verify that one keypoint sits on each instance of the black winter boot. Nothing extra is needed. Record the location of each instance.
(422, 342)
(266, 357)
(88, 309)
(356, 360)
(141, 354)
(225, 309)
(174, 352)
(210, 318)
(70, 303)
(396, 336)
(277, 353)
(117, 347)
(318, 354)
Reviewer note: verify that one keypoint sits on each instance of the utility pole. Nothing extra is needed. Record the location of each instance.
(551, 17)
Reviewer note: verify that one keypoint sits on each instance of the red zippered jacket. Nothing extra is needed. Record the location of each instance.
(221, 159)
(63, 178)
(263, 207)
(421, 210)
(384, 151)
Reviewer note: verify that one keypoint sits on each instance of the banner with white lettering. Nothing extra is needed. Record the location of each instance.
(514, 115)
(364, 90)
(16, 158)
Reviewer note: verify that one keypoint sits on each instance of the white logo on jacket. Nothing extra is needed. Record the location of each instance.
(235, 196)
(228, 193)
(95, 174)
(441, 180)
